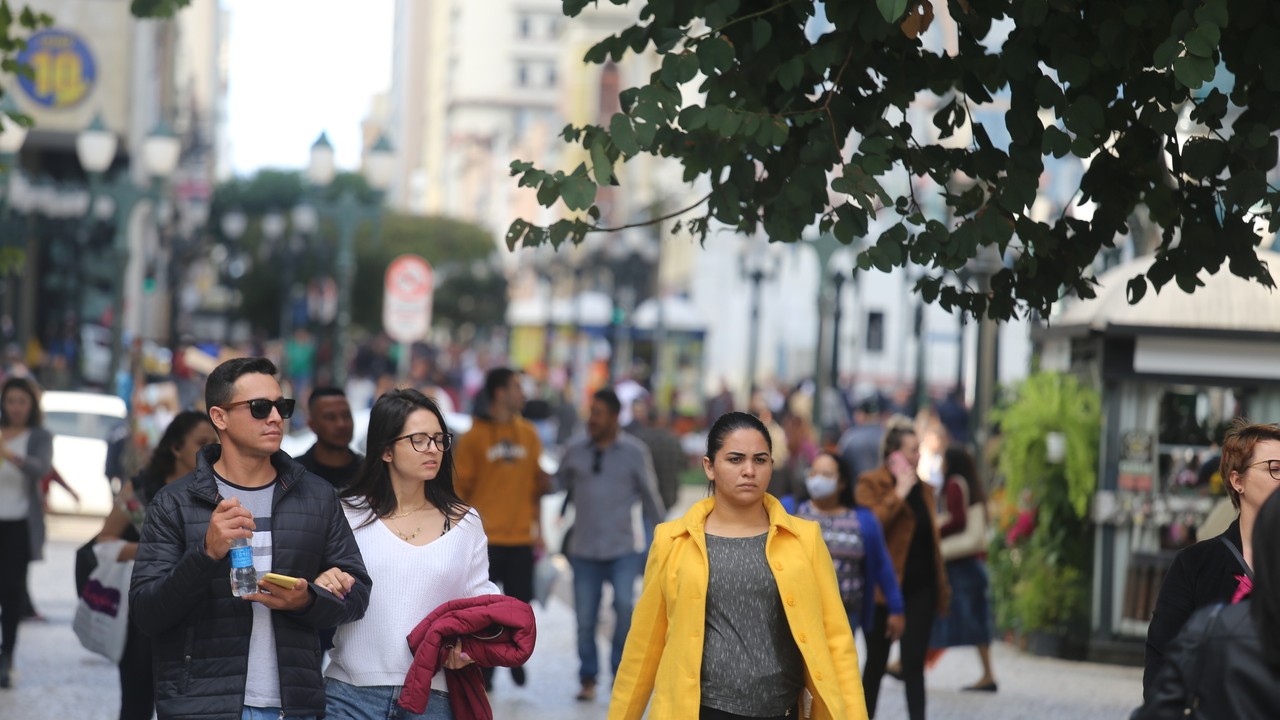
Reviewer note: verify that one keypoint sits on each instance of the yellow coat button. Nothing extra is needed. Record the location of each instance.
(777, 566)
(791, 601)
(817, 676)
(804, 638)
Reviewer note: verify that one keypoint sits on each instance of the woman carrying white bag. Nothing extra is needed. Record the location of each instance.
(173, 457)
(963, 527)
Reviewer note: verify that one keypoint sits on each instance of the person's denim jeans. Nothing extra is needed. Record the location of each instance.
(257, 713)
(344, 701)
(589, 577)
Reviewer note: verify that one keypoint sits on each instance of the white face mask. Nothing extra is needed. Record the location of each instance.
(820, 486)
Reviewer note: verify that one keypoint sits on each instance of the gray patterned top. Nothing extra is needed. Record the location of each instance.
(750, 663)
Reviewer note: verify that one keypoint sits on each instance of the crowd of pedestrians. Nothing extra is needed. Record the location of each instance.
(747, 602)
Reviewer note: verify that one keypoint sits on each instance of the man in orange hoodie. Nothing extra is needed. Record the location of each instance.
(497, 473)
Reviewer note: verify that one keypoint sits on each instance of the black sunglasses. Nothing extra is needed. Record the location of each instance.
(422, 442)
(260, 408)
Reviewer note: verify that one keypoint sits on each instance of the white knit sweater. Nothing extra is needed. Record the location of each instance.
(408, 583)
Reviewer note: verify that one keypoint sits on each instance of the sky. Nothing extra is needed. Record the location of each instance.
(297, 67)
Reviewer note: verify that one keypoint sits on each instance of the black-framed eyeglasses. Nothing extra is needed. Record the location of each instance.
(422, 442)
(260, 408)
(1273, 467)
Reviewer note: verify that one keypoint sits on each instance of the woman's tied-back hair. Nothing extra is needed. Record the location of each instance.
(1237, 450)
(729, 422)
(372, 486)
(1265, 599)
(896, 429)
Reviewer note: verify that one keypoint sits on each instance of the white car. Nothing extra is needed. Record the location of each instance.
(81, 424)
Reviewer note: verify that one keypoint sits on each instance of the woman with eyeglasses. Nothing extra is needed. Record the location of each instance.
(422, 547)
(1226, 662)
(1220, 569)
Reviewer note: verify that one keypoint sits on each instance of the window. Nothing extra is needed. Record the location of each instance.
(551, 74)
(524, 26)
(875, 331)
(522, 74)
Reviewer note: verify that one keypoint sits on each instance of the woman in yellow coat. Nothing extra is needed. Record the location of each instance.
(740, 614)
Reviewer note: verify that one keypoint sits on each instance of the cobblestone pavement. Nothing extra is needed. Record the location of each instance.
(58, 680)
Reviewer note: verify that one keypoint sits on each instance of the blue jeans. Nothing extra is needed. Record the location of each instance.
(344, 701)
(257, 713)
(588, 586)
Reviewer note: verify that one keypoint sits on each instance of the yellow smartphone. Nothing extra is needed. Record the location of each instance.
(283, 581)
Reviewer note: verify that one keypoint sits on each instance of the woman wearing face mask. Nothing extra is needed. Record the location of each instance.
(856, 543)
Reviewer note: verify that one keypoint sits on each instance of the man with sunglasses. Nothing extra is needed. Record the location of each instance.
(497, 473)
(255, 656)
(609, 475)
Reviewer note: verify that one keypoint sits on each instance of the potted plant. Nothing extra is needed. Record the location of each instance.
(1040, 558)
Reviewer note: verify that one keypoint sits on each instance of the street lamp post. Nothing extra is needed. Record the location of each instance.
(981, 268)
(347, 215)
(756, 266)
(96, 149)
(838, 279)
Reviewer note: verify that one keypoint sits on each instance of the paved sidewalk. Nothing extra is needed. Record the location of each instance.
(58, 680)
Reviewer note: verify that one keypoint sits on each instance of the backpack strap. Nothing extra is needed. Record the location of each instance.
(1236, 551)
(1197, 666)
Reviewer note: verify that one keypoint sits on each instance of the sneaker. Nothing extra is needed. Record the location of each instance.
(518, 676)
(588, 691)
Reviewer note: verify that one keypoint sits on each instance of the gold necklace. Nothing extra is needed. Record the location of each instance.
(406, 538)
(407, 513)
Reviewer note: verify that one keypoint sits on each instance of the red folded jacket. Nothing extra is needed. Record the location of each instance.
(495, 630)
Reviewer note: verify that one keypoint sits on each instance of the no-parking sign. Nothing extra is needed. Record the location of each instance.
(406, 301)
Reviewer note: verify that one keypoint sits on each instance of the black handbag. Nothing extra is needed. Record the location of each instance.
(86, 563)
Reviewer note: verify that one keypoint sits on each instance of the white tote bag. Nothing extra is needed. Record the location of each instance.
(102, 615)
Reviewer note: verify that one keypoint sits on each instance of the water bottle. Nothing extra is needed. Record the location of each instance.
(244, 577)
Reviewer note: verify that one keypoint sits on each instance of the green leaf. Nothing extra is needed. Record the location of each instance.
(715, 55)
(624, 136)
(790, 72)
(1166, 52)
(1085, 116)
(732, 121)
(1199, 45)
(1212, 12)
(1193, 71)
(1055, 142)
(761, 33)
(891, 10)
(601, 166)
(1204, 157)
(578, 192)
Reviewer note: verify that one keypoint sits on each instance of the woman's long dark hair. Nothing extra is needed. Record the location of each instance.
(21, 384)
(372, 486)
(1265, 600)
(957, 461)
(163, 461)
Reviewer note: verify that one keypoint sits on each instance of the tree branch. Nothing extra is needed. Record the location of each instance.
(650, 221)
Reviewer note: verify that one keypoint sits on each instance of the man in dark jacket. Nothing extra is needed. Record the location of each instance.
(215, 654)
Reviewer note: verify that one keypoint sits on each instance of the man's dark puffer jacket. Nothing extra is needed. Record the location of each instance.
(182, 598)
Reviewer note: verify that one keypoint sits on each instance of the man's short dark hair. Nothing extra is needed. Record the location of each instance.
(610, 400)
(497, 379)
(324, 391)
(221, 385)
